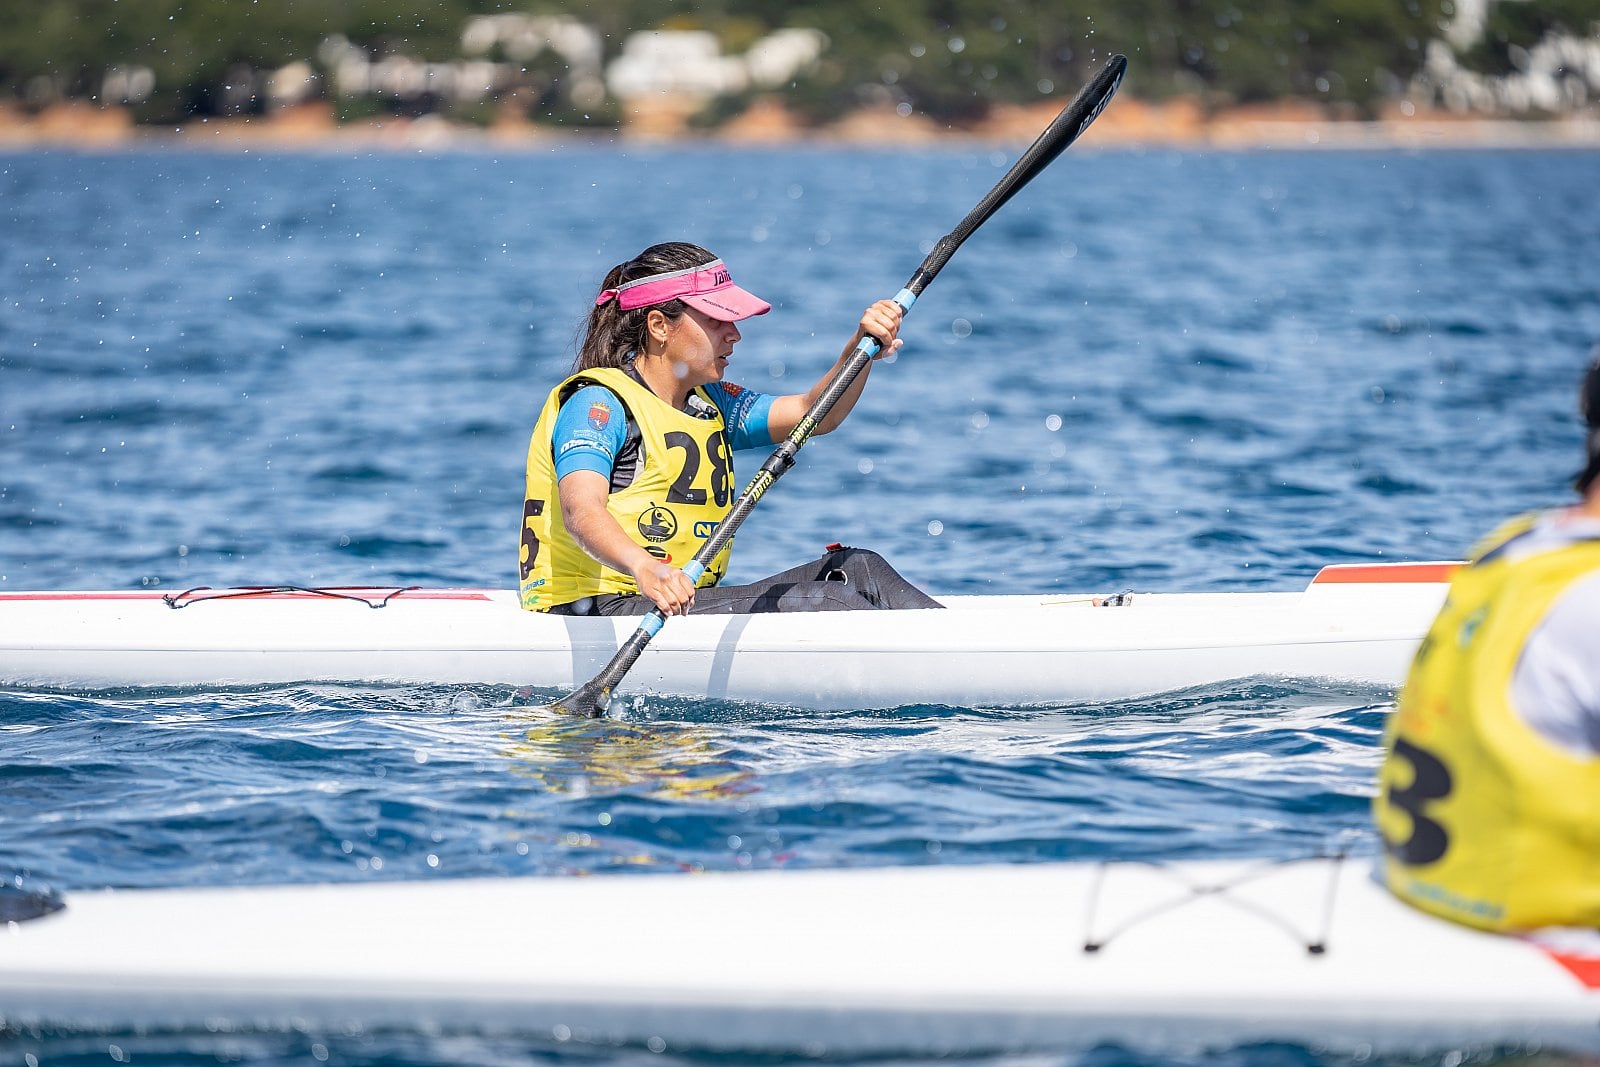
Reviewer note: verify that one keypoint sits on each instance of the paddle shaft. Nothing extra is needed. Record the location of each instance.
(594, 696)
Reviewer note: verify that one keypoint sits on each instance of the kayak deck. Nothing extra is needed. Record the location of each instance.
(1358, 624)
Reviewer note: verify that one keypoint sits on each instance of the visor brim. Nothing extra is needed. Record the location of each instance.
(727, 304)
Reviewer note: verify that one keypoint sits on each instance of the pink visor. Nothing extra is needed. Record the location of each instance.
(706, 288)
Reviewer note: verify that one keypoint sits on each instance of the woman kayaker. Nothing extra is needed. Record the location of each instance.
(630, 466)
(1489, 794)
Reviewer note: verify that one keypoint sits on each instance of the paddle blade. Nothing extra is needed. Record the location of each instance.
(593, 697)
(589, 700)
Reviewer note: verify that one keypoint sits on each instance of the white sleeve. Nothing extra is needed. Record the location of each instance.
(1556, 687)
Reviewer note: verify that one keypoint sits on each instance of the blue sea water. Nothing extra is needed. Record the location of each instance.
(1157, 370)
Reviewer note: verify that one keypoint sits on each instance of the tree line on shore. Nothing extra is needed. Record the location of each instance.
(949, 59)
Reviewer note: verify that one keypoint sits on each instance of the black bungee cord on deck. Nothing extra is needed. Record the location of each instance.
(202, 593)
(1190, 891)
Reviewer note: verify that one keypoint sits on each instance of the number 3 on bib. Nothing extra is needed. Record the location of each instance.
(1430, 781)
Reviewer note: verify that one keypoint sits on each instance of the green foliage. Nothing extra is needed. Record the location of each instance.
(949, 59)
(953, 58)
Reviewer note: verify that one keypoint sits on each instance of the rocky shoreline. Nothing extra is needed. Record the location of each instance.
(1131, 123)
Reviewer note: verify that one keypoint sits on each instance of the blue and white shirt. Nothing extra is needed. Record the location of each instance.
(592, 430)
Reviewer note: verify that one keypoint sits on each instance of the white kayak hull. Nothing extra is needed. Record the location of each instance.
(855, 962)
(1358, 624)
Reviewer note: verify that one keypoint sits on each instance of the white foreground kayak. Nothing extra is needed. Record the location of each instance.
(1358, 623)
(855, 962)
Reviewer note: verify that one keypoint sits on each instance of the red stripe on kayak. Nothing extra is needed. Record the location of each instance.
(264, 594)
(1353, 573)
(1585, 969)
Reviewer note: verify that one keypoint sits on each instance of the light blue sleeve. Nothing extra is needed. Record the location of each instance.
(746, 414)
(589, 431)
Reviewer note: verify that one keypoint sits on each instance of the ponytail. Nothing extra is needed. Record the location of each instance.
(611, 333)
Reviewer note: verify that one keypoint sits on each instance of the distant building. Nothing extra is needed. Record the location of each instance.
(558, 56)
(1466, 27)
(522, 39)
(127, 85)
(691, 63)
(1558, 74)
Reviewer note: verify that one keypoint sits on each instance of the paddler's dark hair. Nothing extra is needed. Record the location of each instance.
(1589, 406)
(612, 335)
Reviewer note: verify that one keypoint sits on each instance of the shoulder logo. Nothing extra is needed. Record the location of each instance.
(599, 415)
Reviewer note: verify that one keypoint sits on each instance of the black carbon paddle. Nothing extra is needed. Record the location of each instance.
(594, 697)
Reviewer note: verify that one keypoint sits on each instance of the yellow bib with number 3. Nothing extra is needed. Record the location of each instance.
(1483, 820)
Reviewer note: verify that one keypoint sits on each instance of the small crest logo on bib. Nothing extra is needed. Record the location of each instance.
(658, 524)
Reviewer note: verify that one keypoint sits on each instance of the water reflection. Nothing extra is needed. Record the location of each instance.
(579, 757)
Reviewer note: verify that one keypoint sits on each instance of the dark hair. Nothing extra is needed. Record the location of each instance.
(611, 333)
(1589, 407)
